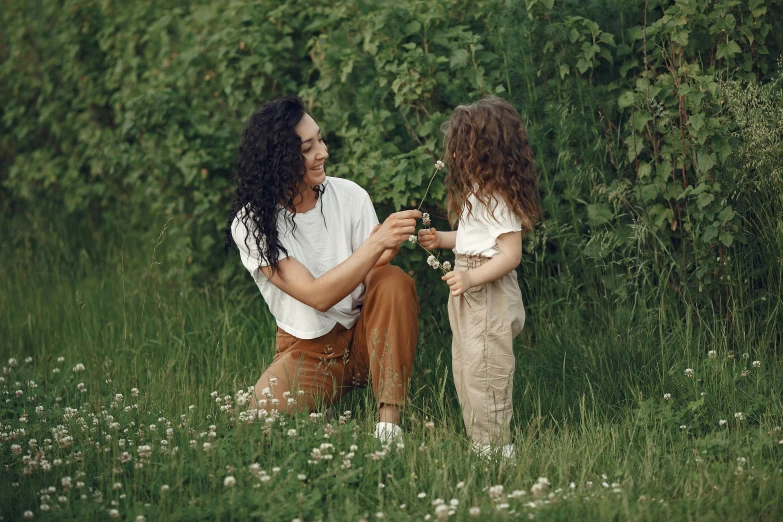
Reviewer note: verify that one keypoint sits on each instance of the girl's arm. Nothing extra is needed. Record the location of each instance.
(432, 239)
(510, 246)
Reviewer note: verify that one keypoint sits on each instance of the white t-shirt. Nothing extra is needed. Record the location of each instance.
(320, 242)
(477, 234)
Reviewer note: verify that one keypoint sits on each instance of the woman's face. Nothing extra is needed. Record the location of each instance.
(313, 149)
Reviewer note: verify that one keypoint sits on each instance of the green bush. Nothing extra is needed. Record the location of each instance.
(123, 116)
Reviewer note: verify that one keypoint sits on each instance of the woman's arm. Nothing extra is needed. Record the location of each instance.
(323, 292)
(510, 246)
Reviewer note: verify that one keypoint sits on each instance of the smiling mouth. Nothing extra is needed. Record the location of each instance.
(318, 168)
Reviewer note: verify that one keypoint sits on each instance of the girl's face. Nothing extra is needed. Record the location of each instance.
(313, 149)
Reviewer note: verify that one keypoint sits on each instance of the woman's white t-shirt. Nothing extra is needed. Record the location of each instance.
(477, 232)
(325, 236)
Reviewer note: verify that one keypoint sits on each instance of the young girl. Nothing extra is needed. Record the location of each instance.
(491, 187)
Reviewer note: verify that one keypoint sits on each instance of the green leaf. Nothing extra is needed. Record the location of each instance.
(726, 215)
(650, 192)
(644, 170)
(459, 59)
(695, 405)
(626, 99)
(564, 69)
(710, 233)
(696, 121)
(704, 199)
(582, 65)
(412, 27)
(706, 161)
(727, 238)
(598, 214)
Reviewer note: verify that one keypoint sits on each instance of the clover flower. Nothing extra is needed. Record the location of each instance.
(425, 220)
(689, 372)
(712, 354)
(756, 364)
(667, 396)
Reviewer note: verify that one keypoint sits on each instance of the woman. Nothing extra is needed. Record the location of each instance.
(320, 259)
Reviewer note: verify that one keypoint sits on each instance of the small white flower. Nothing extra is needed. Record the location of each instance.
(474, 511)
(446, 266)
(439, 165)
(689, 372)
(739, 416)
(28, 514)
(712, 354)
(722, 422)
(164, 488)
(113, 513)
(229, 481)
(301, 476)
(756, 364)
(292, 433)
(78, 368)
(411, 238)
(421, 495)
(667, 396)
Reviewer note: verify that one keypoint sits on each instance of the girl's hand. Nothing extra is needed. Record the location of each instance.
(429, 238)
(459, 282)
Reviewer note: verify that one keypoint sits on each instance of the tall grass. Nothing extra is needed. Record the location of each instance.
(589, 406)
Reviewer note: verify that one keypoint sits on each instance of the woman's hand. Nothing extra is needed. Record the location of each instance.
(429, 238)
(459, 282)
(397, 228)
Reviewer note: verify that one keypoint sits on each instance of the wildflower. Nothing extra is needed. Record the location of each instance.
(712, 354)
(421, 495)
(292, 433)
(474, 511)
(164, 488)
(425, 220)
(61, 359)
(683, 426)
(117, 485)
(78, 368)
(28, 360)
(28, 514)
(756, 364)
(301, 477)
(739, 416)
(439, 165)
(689, 372)
(229, 481)
(446, 266)
(745, 373)
(667, 396)
(460, 484)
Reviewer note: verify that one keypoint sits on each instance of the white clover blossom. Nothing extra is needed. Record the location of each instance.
(739, 416)
(412, 238)
(425, 219)
(712, 354)
(78, 368)
(229, 481)
(689, 372)
(439, 165)
(722, 422)
(756, 364)
(446, 266)
(667, 396)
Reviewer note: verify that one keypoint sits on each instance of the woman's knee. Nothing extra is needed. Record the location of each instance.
(391, 280)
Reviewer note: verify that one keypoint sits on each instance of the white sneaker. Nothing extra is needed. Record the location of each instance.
(387, 432)
(487, 451)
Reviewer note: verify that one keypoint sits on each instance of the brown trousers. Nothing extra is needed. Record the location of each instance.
(483, 324)
(380, 349)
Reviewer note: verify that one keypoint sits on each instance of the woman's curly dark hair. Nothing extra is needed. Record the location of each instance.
(269, 170)
(487, 153)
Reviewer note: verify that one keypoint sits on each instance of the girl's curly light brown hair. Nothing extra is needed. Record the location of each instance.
(487, 154)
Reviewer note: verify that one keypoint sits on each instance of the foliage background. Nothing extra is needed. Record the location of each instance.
(119, 117)
(656, 127)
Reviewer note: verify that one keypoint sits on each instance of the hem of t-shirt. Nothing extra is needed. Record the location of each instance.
(486, 253)
(302, 334)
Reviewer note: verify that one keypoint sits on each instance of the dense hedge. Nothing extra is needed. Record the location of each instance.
(655, 124)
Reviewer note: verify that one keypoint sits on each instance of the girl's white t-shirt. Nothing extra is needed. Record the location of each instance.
(324, 237)
(478, 232)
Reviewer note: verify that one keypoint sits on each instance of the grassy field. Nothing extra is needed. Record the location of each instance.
(123, 399)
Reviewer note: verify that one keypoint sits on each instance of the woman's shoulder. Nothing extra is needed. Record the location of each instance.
(345, 188)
